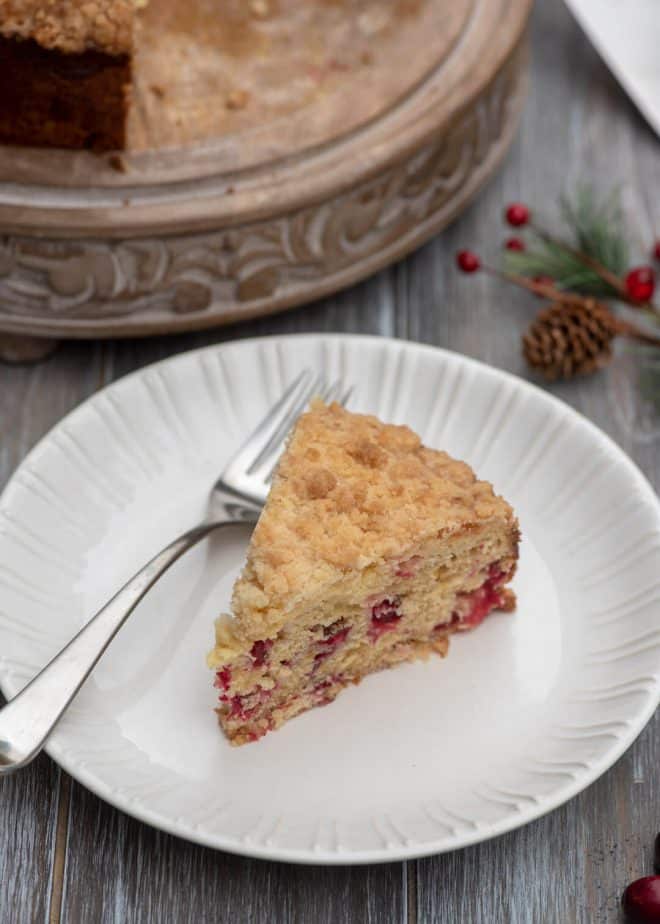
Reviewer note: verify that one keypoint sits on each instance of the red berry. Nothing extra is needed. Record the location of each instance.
(641, 901)
(517, 214)
(384, 616)
(656, 250)
(260, 651)
(656, 854)
(223, 679)
(338, 638)
(467, 261)
(640, 284)
(515, 243)
(386, 611)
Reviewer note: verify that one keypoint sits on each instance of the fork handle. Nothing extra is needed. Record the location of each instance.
(29, 718)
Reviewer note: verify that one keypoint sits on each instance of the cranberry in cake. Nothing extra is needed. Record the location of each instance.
(371, 550)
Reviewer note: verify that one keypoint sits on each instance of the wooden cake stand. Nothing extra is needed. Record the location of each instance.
(274, 156)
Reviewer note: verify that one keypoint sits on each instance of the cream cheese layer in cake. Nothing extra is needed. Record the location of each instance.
(370, 551)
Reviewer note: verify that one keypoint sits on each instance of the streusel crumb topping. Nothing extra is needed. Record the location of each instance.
(71, 26)
(351, 491)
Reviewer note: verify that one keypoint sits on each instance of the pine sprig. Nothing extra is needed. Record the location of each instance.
(597, 228)
(594, 233)
(574, 334)
(567, 272)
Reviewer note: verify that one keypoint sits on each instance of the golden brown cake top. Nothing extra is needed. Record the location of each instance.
(350, 491)
(71, 26)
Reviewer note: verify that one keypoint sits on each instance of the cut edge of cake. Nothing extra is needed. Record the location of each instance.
(371, 550)
(65, 69)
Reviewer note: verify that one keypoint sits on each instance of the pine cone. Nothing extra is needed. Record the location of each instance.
(570, 339)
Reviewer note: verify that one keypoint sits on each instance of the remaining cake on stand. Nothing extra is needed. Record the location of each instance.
(370, 551)
(65, 72)
(139, 75)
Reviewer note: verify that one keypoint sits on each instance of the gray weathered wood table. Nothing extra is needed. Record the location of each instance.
(66, 856)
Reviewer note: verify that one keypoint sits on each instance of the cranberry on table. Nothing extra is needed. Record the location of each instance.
(641, 901)
(467, 261)
(515, 243)
(517, 214)
(640, 283)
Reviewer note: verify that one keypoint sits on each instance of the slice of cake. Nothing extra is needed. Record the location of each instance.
(65, 72)
(370, 551)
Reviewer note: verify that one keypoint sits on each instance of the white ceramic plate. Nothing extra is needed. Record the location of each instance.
(522, 715)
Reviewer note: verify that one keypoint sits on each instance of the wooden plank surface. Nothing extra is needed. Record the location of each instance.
(119, 870)
(66, 856)
(32, 399)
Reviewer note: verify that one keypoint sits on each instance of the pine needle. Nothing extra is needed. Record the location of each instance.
(596, 230)
(597, 227)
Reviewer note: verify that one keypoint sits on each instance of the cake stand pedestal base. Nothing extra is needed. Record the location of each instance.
(16, 348)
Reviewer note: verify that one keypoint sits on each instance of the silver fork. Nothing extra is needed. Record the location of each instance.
(236, 497)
